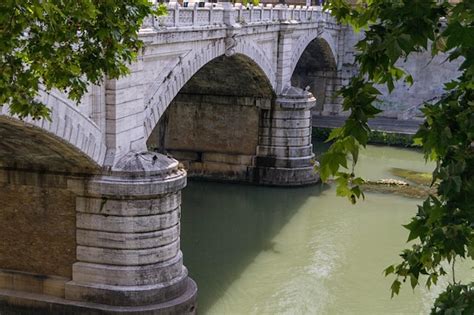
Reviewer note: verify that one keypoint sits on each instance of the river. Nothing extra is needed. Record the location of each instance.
(267, 250)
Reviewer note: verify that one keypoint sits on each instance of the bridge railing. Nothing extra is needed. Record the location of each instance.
(270, 13)
(214, 14)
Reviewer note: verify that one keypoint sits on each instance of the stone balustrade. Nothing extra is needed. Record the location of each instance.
(213, 14)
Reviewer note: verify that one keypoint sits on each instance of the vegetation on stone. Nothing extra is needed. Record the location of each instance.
(405, 190)
(419, 178)
(64, 45)
(444, 225)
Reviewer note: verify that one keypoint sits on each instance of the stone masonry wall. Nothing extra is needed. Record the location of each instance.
(214, 136)
(37, 223)
(429, 75)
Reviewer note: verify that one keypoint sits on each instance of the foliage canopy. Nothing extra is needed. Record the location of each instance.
(46, 44)
(443, 228)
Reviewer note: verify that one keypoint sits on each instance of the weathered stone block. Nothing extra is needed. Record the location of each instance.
(129, 275)
(104, 206)
(284, 141)
(129, 295)
(127, 240)
(135, 224)
(284, 151)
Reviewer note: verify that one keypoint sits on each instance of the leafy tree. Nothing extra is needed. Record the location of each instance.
(47, 44)
(444, 224)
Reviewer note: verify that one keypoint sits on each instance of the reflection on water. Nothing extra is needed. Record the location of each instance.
(266, 250)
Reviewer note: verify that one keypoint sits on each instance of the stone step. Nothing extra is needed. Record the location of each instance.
(20, 302)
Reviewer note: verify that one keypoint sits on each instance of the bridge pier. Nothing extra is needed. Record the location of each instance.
(128, 258)
(128, 245)
(284, 153)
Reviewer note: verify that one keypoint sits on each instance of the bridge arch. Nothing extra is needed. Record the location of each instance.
(314, 65)
(212, 124)
(304, 43)
(69, 142)
(188, 65)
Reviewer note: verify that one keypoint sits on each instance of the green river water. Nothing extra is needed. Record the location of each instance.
(267, 250)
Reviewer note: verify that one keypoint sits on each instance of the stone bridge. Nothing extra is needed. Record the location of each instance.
(90, 201)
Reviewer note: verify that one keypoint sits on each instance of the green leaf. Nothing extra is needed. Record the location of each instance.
(389, 270)
(395, 288)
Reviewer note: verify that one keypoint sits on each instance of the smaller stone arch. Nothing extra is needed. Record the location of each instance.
(317, 68)
(325, 37)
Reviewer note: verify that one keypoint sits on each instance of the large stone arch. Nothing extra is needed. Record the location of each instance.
(188, 65)
(212, 124)
(68, 142)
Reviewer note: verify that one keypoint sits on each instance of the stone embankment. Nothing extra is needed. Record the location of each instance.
(382, 124)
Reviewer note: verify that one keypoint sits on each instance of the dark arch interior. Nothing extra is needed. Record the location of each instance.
(212, 124)
(23, 146)
(316, 68)
(237, 75)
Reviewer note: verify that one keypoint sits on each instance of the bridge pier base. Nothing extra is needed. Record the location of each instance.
(128, 258)
(128, 245)
(285, 153)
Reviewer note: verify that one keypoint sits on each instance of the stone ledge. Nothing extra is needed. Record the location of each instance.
(24, 303)
(287, 176)
(139, 188)
(129, 275)
(128, 257)
(285, 162)
(127, 295)
(32, 283)
(130, 240)
(292, 133)
(128, 224)
(283, 152)
(284, 141)
(140, 207)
